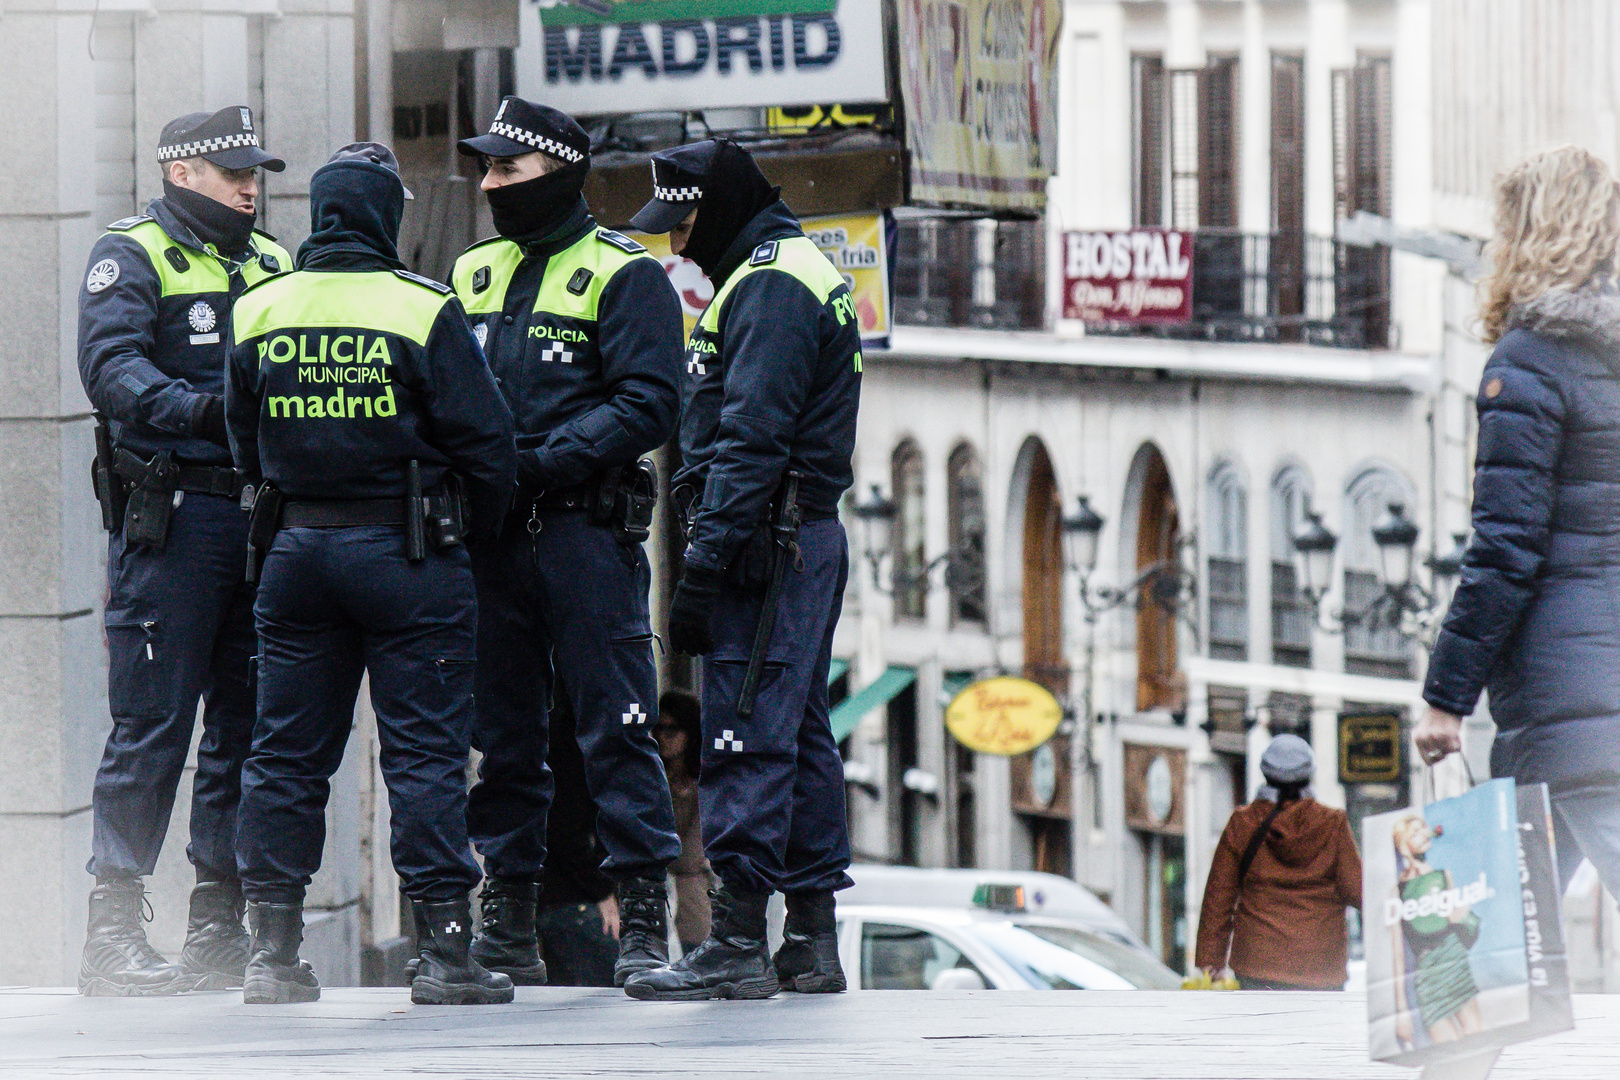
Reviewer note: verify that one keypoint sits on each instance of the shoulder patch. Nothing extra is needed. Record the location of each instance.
(765, 253)
(101, 275)
(436, 286)
(125, 224)
(620, 241)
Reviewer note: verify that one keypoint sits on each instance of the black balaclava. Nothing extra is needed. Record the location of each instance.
(534, 209)
(211, 221)
(734, 192)
(355, 208)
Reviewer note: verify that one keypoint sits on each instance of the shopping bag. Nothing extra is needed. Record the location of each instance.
(1448, 973)
(1545, 956)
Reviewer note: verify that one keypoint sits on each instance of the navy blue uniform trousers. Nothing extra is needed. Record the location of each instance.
(334, 604)
(771, 795)
(561, 601)
(179, 627)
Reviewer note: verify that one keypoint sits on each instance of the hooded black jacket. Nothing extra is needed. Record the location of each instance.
(343, 372)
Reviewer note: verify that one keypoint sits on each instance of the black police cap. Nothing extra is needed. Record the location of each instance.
(678, 178)
(226, 138)
(522, 127)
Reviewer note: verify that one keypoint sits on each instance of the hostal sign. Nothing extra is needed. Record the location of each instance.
(1136, 276)
(620, 56)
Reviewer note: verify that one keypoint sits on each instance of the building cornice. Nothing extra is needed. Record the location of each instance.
(1238, 362)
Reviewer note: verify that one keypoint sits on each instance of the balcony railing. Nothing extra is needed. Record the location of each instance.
(1273, 287)
(970, 272)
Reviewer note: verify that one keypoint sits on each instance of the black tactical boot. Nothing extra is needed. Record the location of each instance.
(643, 927)
(447, 974)
(216, 952)
(118, 960)
(506, 940)
(733, 963)
(275, 975)
(808, 959)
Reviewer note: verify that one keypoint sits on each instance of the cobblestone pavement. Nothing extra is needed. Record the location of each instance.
(600, 1033)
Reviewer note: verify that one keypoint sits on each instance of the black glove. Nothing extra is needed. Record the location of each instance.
(690, 611)
(210, 421)
(531, 477)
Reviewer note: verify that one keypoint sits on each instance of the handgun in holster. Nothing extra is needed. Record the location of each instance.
(104, 481)
(263, 524)
(684, 498)
(447, 513)
(153, 495)
(625, 499)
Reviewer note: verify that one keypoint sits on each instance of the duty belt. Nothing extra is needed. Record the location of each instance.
(211, 480)
(578, 497)
(341, 513)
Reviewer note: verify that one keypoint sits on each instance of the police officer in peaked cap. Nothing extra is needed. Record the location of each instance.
(773, 375)
(583, 330)
(357, 393)
(152, 314)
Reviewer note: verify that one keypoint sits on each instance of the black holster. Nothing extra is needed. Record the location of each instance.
(263, 525)
(104, 481)
(447, 513)
(624, 500)
(752, 569)
(154, 493)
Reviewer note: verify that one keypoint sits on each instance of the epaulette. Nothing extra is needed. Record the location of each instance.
(267, 235)
(262, 282)
(620, 241)
(436, 286)
(126, 224)
(485, 242)
(764, 254)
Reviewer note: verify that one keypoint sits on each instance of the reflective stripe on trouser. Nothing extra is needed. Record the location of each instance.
(566, 605)
(772, 789)
(334, 604)
(179, 625)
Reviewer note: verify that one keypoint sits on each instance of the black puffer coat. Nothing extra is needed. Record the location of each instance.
(1536, 615)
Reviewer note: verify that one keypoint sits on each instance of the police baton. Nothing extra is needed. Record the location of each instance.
(784, 543)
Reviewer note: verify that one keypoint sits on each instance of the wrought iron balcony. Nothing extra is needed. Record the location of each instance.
(1272, 287)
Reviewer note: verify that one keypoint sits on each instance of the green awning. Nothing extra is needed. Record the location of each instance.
(954, 683)
(837, 670)
(849, 712)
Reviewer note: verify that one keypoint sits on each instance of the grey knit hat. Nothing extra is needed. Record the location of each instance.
(1288, 761)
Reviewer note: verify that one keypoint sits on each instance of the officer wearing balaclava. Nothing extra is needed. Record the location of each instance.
(583, 329)
(773, 375)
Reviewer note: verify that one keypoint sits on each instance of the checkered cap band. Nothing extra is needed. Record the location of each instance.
(678, 194)
(180, 151)
(539, 142)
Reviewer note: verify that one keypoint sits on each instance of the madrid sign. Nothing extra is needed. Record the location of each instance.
(643, 55)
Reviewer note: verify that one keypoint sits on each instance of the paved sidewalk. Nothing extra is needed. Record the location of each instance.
(987, 1035)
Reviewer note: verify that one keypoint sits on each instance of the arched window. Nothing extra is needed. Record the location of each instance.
(910, 543)
(1159, 682)
(1228, 585)
(965, 576)
(1372, 645)
(1291, 616)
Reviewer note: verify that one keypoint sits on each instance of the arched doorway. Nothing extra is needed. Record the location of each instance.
(1159, 682)
(1041, 778)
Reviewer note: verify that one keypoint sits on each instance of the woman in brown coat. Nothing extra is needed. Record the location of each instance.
(1282, 875)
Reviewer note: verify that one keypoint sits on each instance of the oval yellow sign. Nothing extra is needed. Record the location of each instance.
(1004, 715)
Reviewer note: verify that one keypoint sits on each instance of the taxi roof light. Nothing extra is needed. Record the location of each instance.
(994, 897)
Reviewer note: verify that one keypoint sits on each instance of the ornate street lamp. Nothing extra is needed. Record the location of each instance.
(1315, 545)
(1396, 537)
(876, 513)
(1081, 528)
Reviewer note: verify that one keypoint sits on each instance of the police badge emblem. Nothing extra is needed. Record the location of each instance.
(481, 333)
(103, 274)
(201, 317)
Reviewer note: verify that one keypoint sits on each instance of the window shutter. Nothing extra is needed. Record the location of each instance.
(1148, 107)
(1217, 144)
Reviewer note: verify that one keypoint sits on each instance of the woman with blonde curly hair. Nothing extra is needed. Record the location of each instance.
(1536, 615)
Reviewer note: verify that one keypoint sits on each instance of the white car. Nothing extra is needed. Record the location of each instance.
(886, 947)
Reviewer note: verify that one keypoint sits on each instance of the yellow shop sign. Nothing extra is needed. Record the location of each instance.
(1005, 715)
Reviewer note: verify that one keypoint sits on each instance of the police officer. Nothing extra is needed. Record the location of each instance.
(357, 392)
(152, 312)
(583, 330)
(767, 430)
